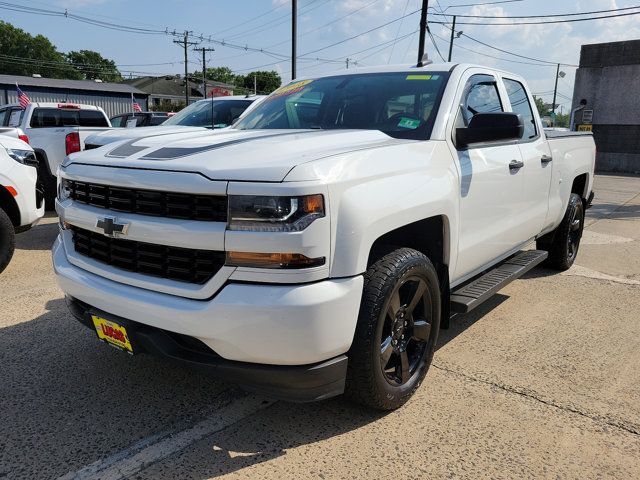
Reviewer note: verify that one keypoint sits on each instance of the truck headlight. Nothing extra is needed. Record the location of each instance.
(64, 189)
(26, 157)
(274, 214)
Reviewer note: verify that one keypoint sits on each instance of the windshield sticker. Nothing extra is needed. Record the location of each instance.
(411, 123)
(419, 77)
(290, 89)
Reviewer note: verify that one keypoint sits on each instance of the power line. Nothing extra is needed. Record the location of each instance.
(406, 5)
(544, 22)
(262, 15)
(326, 24)
(457, 45)
(515, 54)
(363, 33)
(508, 17)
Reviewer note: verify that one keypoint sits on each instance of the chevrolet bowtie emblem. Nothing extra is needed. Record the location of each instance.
(111, 227)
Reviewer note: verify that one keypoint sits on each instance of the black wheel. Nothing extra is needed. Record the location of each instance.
(7, 240)
(396, 332)
(563, 243)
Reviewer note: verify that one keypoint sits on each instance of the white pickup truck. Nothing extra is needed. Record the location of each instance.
(54, 131)
(319, 245)
(21, 196)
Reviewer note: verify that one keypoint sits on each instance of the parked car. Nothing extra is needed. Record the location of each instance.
(21, 196)
(15, 133)
(54, 131)
(318, 246)
(199, 117)
(139, 119)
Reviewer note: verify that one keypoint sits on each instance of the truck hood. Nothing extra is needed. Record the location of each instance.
(246, 155)
(119, 134)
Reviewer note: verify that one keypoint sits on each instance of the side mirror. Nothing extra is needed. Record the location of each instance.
(490, 127)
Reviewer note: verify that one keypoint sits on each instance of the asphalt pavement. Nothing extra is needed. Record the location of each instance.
(542, 381)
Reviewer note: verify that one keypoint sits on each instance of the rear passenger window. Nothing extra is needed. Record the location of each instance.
(520, 104)
(480, 96)
(92, 118)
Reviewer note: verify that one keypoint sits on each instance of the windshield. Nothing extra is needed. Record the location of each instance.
(402, 105)
(200, 114)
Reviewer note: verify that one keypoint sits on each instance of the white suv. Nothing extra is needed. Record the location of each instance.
(21, 199)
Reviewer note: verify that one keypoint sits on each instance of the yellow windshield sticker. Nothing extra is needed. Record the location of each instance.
(291, 88)
(418, 77)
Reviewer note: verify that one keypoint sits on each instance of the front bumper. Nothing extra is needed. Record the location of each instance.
(305, 383)
(277, 324)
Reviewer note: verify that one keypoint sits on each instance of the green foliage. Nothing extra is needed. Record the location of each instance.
(220, 74)
(562, 120)
(92, 65)
(266, 82)
(36, 55)
(542, 110)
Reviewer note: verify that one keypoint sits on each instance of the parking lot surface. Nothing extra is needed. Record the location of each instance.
(542, 381)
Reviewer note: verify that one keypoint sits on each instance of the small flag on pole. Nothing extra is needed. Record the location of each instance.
(135, 106)
(23, 98)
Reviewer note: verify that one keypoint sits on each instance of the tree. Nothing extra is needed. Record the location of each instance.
(24, 54)
(220, 74)
(92, 65)
(266, 82)
(540, 105)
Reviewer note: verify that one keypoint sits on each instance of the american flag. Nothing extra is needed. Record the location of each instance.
(135, 106)
(23, 98)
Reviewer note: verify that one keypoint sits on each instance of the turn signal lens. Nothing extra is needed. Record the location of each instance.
(272, 260)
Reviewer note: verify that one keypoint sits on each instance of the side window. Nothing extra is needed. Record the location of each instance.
(14, 117)
(92, 118)
(116, 121)
(520, 105)
(3, 117)
(480, 95)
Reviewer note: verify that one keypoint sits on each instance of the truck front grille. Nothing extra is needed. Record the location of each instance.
(209, 208)
(173, 263)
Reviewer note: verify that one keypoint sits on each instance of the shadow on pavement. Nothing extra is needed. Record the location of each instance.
(40, 237)
(67, 401)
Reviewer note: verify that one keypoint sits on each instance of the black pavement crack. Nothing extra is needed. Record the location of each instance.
(628, 427)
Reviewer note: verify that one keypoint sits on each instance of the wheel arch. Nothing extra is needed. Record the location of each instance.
(429, 236)
(9, 205)
(580, 185)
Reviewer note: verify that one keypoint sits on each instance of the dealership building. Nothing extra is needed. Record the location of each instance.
(114, 98)
(607, 98)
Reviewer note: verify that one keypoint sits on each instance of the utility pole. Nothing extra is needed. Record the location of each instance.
(255, 84)
(294, 35)
(423, 31)
(347, 63)
(186, 44)
(453, 31)
(204, 67)
(555, 91)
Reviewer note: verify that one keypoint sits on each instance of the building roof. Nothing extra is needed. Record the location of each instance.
(171, 85)
(69, 84)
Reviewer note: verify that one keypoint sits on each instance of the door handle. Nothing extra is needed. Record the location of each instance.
(516, 164)
(546, 159)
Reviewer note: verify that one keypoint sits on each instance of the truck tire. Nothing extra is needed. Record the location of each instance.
(7, 240)
(396, 332)
(49, 184)
(563, 243)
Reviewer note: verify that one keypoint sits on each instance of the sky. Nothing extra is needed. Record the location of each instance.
(266, 25)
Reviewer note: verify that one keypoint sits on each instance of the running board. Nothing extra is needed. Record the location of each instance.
(473, 294)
